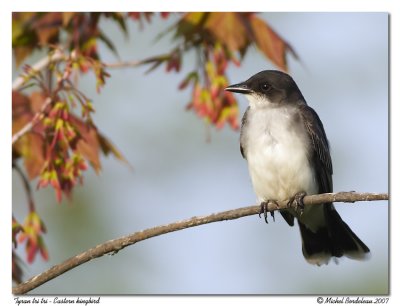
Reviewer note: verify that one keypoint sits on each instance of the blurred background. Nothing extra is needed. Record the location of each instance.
(183, 168)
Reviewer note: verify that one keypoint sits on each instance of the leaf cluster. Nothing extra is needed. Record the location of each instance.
(54, 135)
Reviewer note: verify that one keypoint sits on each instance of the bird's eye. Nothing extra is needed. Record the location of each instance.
(265, 87)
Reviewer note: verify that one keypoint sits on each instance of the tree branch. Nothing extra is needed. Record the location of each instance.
(20, 81)
(38, 66)
(115, 245)
(42, 64)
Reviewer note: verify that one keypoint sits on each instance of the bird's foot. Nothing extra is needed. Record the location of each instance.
(297, 202)
(264, 209)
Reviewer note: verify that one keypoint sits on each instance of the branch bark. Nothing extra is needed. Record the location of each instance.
(115, 245)
(126, 64)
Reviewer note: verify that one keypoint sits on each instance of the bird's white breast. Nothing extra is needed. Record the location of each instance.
(277, 153)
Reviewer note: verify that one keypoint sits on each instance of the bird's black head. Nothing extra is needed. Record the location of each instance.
(269, 86)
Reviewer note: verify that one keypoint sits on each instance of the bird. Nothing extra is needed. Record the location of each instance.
(288, 157)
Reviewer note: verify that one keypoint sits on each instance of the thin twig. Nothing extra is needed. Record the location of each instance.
(125, 64)
(27, 187)
(115, 245)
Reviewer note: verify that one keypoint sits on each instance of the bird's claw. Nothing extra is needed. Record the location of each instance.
(264, 210)
(297, 202)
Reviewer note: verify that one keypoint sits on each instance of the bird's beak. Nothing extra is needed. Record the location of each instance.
(239, 88)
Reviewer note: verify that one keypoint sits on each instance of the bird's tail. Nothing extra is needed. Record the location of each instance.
(336, 239)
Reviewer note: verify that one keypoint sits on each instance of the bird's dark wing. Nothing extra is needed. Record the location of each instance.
(242, 146)
(289, 218)
(320, 156)
(334, 238)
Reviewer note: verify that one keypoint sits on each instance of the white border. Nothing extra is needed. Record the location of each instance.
(203, 5)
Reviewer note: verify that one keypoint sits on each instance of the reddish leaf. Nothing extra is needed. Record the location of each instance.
(36, 100)
(21, 112)
(19, 101)
(88, 145)
(228, 29)
(33, 229)
(47, 27)
(134, 15)
(66, 17)
(43, 249)
(139, 15)
(164, 15)
(269, 42)
(32, 150)
(174, 63)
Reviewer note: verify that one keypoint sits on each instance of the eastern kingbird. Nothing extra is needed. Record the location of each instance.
(284, 143)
